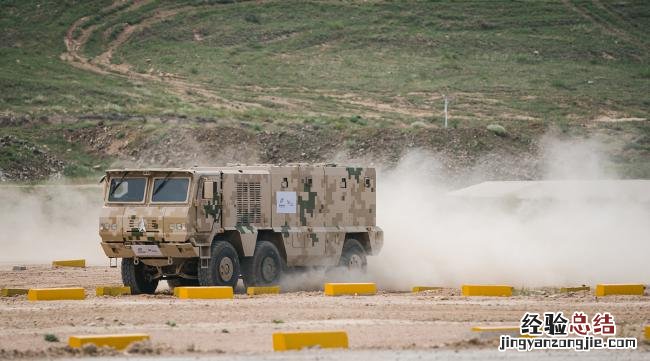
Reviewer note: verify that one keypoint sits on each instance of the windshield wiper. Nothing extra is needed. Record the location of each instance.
(161, 185)
(118, 184)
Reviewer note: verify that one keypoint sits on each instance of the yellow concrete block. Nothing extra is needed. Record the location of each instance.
(338, 289)
(51, 294)
(251, 291)
(574, 289)
(113, 290)
(70, 263)
(647, 333)
(619, 289)
(283, 341)
(118, 342)
(10, 292)
(204, 292)
(425, 288)
(486, 290)
(502, 329)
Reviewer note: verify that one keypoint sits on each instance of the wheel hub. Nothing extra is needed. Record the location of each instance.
(226, 269)
(355, 262)
(269, 269)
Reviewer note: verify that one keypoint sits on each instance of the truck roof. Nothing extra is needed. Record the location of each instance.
(226, 168)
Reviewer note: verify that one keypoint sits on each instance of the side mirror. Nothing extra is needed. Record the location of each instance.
(208, 190)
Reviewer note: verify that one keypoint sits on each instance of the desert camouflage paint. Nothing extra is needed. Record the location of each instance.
(307, 210)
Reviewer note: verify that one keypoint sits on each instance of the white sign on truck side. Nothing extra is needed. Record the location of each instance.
(285, 202)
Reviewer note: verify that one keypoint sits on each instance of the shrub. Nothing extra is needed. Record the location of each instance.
(497, 129)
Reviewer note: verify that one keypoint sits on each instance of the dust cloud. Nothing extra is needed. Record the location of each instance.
(43, 223)
(565, 238)
(431, 237)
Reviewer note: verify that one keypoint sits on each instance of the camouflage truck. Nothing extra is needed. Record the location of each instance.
(209, 226)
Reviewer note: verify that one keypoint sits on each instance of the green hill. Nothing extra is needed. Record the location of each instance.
(273, 65)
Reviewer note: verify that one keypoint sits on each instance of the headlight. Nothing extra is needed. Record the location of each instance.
(107, 226)
(177, 226)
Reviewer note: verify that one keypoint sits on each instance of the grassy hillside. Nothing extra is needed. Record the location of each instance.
(384, 61)
(274, 65)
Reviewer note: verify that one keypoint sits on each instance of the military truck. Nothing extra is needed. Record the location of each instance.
(209, 226)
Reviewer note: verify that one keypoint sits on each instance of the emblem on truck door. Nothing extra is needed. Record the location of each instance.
(141, 226)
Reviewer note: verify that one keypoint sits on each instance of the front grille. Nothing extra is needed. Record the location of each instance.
(151, 224)
(249, 203)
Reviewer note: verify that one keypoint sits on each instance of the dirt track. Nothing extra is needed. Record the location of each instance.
(396, 321)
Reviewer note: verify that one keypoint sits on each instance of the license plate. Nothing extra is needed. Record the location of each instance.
(146, 250)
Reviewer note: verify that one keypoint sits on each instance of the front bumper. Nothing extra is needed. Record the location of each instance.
(175, 250)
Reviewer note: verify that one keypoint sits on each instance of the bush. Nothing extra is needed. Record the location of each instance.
(252, 18)
(497, 129)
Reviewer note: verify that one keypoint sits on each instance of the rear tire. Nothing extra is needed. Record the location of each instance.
(138, 277)
(266, 266)
(353, 256)
(224, 269)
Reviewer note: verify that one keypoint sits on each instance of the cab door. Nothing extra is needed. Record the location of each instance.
(208, 203)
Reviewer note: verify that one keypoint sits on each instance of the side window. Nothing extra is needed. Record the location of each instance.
(209, 189)
(344, 183)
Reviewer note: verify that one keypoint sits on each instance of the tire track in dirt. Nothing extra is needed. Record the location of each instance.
(629, 23)
(195, 93)
(187, 91)
(608, 27)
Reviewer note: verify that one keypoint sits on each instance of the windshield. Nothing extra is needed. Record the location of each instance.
(170, 190)
(127, 190)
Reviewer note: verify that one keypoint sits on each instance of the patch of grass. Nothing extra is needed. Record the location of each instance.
(50, 337)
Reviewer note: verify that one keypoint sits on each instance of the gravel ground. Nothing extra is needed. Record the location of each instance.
(388, 325)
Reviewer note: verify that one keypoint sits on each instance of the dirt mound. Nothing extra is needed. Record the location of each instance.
(22, 160)
(142, 144)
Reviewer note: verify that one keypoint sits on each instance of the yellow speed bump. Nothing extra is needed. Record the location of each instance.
(214, 292)
(425, 288)
(283, 341)
(502, 329)
(574, 289)
(70, 263)
(619, 289)
(10, 292)
(486, 290)
(52, 294)
(338, 289)
(113, 290)
(118, 342)
(251, 291)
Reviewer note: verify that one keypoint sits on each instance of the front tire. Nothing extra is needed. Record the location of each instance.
(224, 269)
(353, 256)
(266, 266)
(139, 277)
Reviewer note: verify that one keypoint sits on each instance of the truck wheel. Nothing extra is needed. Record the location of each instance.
(265, 267)
(139, 277)
(353, 256)
(223, 269)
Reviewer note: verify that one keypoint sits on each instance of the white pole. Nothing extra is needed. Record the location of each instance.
(445, 111)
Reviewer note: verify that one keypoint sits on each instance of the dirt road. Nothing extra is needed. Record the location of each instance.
(387, 321)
